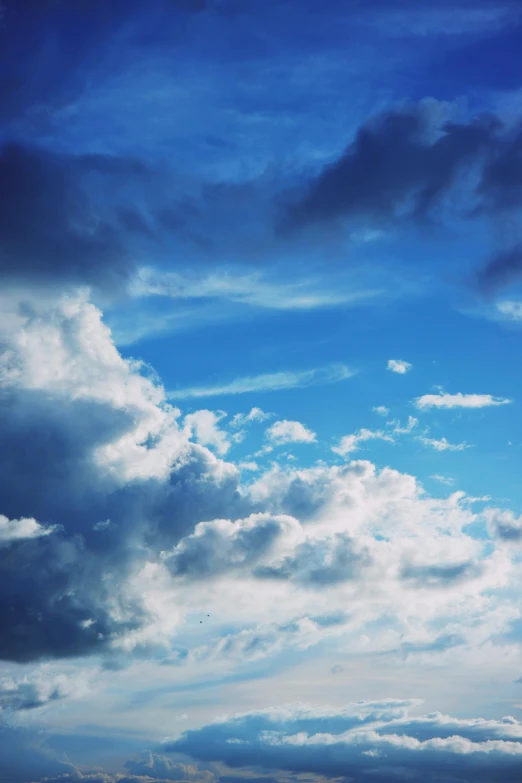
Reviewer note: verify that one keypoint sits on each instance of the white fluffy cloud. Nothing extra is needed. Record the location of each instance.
(289, 432)
(459, 400)
(17, 529)
(399, 366)
(382, 410)
(203, 425)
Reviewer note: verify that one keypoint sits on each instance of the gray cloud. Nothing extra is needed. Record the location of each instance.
(395, 168)
(377, 740)
(320, 563)
(439, 575)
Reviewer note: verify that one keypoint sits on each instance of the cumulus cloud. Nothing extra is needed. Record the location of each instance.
(96, 441)
(382, 410)
(350, 443)
(459, 400)
(443, 444)
(380, 740)
(399, 366)
(204, 426)
(18, 529)
(216, 547)
(289, 432)
(504, 525)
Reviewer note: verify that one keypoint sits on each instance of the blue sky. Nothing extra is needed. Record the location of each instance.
(260, 442)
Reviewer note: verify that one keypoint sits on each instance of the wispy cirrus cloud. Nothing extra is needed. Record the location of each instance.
(350, 443)
(249, 288)
(459, 400)
(444, 445)
(267, 382)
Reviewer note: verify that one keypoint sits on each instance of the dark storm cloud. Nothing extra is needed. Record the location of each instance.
(393, 169)
(51, 228)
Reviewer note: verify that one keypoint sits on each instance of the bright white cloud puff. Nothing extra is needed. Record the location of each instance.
(399, 366)
(289, 432)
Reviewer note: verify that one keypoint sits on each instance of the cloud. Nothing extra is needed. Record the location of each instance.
(443, 479)
(154, 766)
(27, 757)
(412, 423)
(382, 410)
(289, 432)
(268, 382)
(422, 152)
(255, 415)
(511, 310)
(248, 288)
(502, 270)
(94, 440)
(38, 689)
(349, 443)
(216, 547)
(319, 564)
(365, 739)
(399, 366)
(459, 400)
(443, 445)
(71, 239)
(504, 525)
(416, 167)
(203, 425)
(18, 529)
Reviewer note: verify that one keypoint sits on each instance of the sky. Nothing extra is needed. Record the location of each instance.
(260, 388)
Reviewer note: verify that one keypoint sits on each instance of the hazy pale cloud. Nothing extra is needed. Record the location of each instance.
(511, 310)
(382, 410)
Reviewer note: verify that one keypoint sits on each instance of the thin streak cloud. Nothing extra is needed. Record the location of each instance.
(459, 400)
(268, 382)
